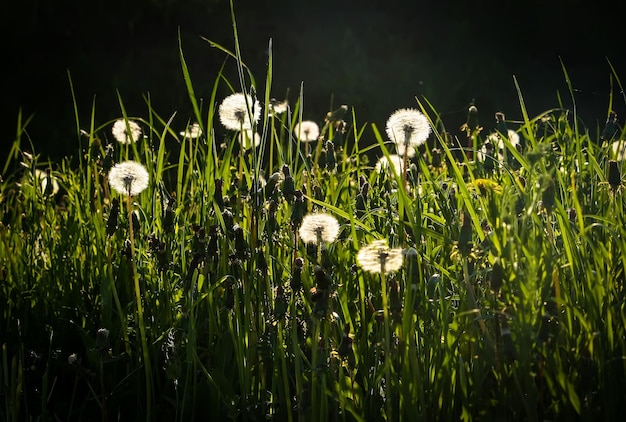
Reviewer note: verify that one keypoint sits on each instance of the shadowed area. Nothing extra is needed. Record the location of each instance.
(375, 56)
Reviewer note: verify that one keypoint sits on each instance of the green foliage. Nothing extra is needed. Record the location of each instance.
(509, 304)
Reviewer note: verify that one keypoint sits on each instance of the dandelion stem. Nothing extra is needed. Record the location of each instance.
(283, 366)
(388, 361)
(140, 320)
(319, 245)
(295, 344)
(105, 416)
(116, 298)
(405, 157)
(314, 371)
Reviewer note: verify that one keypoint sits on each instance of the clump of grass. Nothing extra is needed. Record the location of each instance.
(235, 284)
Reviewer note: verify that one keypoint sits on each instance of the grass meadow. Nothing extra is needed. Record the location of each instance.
(261, 274)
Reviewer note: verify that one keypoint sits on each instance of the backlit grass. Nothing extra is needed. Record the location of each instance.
(197, 297)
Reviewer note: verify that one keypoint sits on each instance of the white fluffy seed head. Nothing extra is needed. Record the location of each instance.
(394, 161)
(192, 132)
(128, 178)
(408, 127)
(307, 131)
(126, 134)
(233, 112)
(318, 227)
(377, 257)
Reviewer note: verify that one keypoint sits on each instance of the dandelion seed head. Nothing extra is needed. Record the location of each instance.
(233, 112)
(496, 140)
(488, 151)
(377, 257)
(306, 131)
(194, 131)
(249, 139)
(619, 150)
(410, 150)
(42, 177)
(278, 107)
(122, 134)
(317, 227)
(408, 127)
(128, 178)
(394, 160)
(495, 144)
(72, 359)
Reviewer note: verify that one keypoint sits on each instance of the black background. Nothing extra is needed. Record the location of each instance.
(375, 56)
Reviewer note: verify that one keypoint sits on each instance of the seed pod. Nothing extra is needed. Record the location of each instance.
(241, 246)
(72, 359)
(497, 276)
(228, 218)
(49, 184)
(212, 249)
(296, 275)
(572, 215)
(168, 215)
(159, 250)
(472, 118)
(261, 263)
(108, 160)
(436, 157)
(610, 127)
(489, 164)
(413, 275)
(298, 209)
(432, 286)
(329, 155)
(280, 304)
(102, 340)
(614, 176)
(289, 188)
(320, 303)
(318, 193)
(322, 280)
(218, 195)
(113, 214)
(286, 171)
(271, 187)
(198, 243)
(501, 124)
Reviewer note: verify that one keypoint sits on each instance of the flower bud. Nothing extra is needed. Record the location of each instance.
(296, 275)
(614, 176)
(113, 214)
(102, 340)
(72, 359)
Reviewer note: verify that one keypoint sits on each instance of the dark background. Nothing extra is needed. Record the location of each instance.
(375, 56)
